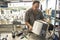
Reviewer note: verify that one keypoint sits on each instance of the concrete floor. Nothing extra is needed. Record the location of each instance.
(31, 37)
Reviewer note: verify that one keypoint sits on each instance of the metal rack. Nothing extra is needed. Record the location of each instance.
(9, 27)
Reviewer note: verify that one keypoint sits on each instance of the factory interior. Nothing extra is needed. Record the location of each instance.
(29, 20)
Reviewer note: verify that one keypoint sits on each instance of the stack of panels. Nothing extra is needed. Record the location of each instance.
(6, 28)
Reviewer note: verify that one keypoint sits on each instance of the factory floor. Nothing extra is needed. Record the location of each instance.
(30, 36)
(9, 37)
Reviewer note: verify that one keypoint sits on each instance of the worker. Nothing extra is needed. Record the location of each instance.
(33, 14)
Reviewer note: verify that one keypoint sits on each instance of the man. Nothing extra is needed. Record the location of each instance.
(33, 14)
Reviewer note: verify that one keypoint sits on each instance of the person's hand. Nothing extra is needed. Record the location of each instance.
(48, 20)
(30, 27)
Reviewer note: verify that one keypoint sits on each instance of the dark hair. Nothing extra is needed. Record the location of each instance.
(35, 2)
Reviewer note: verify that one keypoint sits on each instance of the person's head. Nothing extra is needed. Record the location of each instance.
(35, 5)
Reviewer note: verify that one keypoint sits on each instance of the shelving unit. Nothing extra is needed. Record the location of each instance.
(57, 12)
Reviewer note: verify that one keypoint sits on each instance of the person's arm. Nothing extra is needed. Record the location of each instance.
(46, 20)
(28, 25)
(27, 18)
(43, 18)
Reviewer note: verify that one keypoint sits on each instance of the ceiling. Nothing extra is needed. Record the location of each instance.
(20, 0)
(17, 0)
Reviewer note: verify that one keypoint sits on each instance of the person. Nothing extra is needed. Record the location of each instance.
(33, 14)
